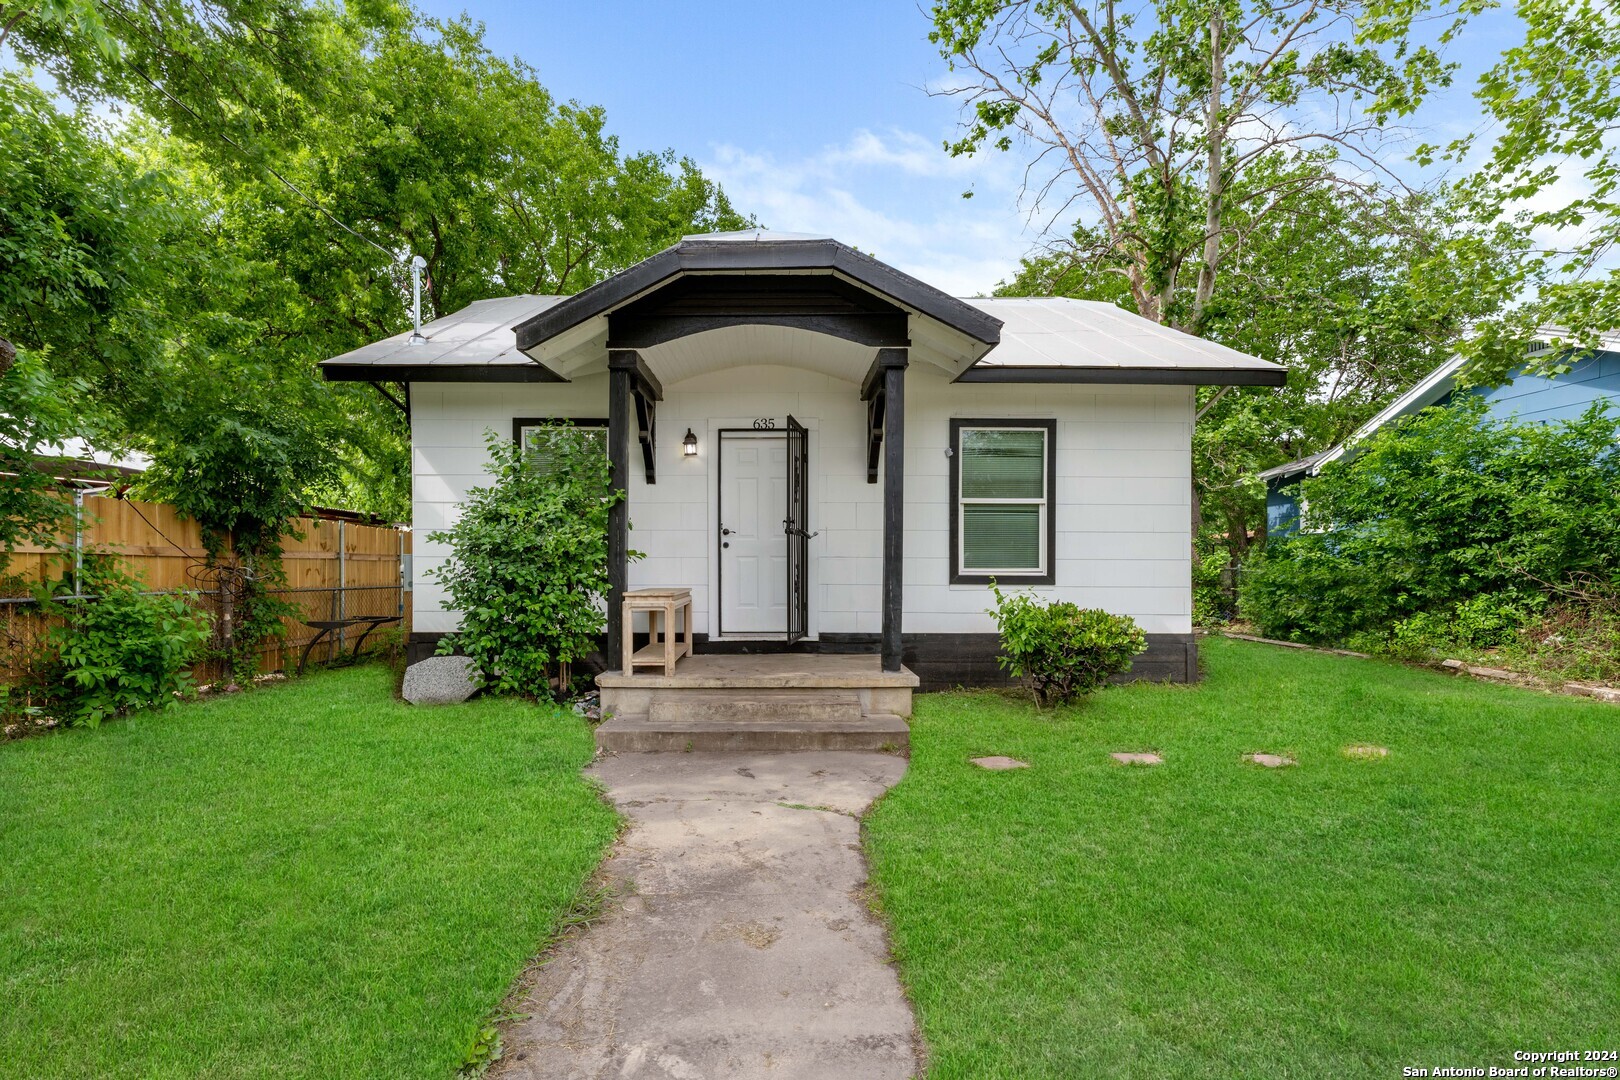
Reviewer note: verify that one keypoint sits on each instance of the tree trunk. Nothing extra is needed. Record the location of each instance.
(1212, 222)
(1215, 180)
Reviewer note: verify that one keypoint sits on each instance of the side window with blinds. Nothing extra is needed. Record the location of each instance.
(1002, 491)
(530, 433)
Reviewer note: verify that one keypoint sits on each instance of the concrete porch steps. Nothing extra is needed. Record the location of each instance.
(641, 734)
(758, 703)
(749, 705)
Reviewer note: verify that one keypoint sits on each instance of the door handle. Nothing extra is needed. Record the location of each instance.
(724, 531)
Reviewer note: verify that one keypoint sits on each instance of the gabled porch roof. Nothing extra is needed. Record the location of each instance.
(774, 282)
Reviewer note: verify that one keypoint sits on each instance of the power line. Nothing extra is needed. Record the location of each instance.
(294, 188)
(239, 148)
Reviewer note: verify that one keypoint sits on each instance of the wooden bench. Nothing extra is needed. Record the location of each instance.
(661, 650)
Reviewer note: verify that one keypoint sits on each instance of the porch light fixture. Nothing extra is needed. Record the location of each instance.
(689, 444)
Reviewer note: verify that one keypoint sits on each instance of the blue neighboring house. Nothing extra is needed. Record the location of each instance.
(1524, 396)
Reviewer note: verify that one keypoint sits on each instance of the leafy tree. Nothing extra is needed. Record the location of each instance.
(84, 238)
(1555, 100)
(242, 469)
(430, 144)
(35, 416)
(1205, 148)
(80, 237)
(529, 560)
(252, 213)
(469, 160)
(1153, 117)
(233, 74)
(437, 146)
(1357, 298)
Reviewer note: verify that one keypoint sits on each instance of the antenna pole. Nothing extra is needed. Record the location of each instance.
(417, 265)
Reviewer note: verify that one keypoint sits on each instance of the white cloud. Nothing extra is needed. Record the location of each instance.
(895, 195)
(904, 150)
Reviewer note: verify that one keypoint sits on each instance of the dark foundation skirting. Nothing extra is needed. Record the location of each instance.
(941, 661)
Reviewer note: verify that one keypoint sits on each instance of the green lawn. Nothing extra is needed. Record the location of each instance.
(310, 880)
(1447, 905)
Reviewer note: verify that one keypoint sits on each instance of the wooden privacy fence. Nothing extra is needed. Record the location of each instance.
(336, 567)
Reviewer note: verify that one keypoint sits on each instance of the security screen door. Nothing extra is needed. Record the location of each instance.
(797, 527)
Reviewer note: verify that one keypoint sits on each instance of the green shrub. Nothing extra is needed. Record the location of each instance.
(1301, 592)
(529, 563)
(1061, 650)
(1437, 510)
(123, 649)
(1212, 599)
(1487, 621)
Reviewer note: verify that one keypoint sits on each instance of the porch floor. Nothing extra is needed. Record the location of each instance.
(758, 702)
(714, 671)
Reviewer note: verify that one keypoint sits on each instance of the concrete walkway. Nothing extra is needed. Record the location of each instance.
(738, 945)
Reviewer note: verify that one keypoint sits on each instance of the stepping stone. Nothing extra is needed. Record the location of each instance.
(1137, 759)
(998, 763)
(1366, 753)
(1270, 761)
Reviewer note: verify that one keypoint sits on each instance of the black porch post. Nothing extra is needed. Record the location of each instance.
(893, 365)
(621, 421)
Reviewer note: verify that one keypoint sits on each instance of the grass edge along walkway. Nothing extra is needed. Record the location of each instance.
(1446, 905)
(308, 880)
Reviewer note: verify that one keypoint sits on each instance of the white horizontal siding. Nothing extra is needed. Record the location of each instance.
(1123, 491)
(448, 457)
(1123, 488)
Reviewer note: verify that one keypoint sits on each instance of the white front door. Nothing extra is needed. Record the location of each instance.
(753, 547)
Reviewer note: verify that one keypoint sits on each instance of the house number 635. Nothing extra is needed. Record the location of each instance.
(765, 423)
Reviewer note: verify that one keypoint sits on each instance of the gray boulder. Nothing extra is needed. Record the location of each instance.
(440, 680)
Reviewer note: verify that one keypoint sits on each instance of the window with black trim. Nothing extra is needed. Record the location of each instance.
(1003, 501)
(529, 433)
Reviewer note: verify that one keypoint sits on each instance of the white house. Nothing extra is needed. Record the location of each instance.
(869, 452)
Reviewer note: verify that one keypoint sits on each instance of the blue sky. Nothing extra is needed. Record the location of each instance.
(815, 116)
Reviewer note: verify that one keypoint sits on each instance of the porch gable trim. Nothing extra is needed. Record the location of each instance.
(699, 255)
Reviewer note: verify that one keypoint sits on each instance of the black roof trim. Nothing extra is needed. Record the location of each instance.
(527, 372)
(742, 256)
(1178, 376)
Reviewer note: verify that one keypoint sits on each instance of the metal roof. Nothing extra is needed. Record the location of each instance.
(475, 343)
(1293, 468)
(766, 235)
(1042, 339)
(1093, 341)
